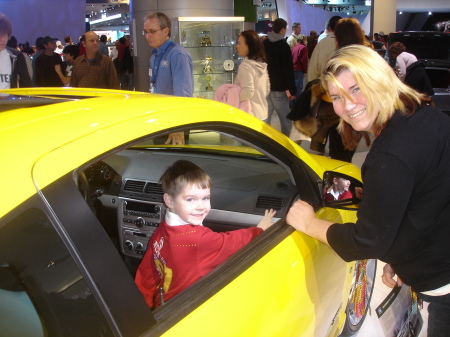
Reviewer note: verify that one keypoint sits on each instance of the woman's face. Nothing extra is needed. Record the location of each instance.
(353, 111)
(241, 46)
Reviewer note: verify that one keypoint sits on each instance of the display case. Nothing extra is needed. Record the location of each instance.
(211, 42)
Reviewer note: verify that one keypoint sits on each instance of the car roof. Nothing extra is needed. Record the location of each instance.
(42, 143)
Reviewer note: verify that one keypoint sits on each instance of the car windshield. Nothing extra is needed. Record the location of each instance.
(12, 102)
(205, 141)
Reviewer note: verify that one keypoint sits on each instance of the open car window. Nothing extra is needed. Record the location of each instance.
(245, 182)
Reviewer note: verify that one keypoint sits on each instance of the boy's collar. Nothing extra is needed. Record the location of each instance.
(173, 219)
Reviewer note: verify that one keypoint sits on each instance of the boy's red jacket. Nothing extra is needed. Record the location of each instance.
(177, 256)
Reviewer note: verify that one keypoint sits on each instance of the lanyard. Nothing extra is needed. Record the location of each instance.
(155, 68)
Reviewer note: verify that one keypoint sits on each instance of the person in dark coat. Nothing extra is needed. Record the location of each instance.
(403, 216)
(417, 78)
(281, 74)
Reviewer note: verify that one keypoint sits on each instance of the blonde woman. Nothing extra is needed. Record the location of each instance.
(404, 215)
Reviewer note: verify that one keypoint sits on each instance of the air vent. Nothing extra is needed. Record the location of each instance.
(267, 202)
(153, 188)
(134, 186)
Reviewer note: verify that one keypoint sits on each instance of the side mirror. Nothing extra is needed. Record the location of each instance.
(341, 190)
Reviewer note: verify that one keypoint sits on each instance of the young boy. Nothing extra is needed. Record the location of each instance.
(182, 250)
(339, 190)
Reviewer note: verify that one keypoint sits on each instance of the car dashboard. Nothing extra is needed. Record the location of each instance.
(127, 185)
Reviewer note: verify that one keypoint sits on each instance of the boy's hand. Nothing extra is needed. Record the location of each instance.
(266, 221)
(175, 138)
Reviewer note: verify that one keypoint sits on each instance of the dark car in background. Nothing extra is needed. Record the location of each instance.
(434, 49)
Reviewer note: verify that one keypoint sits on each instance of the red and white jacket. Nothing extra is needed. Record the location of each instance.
(177, 256)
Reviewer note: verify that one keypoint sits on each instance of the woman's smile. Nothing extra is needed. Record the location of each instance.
(358, 113)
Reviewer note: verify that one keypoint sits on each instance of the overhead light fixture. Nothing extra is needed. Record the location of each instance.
(112, 17)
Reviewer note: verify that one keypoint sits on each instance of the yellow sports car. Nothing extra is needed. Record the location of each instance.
(80, 200)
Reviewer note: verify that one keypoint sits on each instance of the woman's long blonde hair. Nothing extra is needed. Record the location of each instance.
(384, 92)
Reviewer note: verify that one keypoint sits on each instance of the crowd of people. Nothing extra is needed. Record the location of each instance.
(351, 93)
(49, 63)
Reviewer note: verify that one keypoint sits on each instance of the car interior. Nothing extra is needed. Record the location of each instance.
(249, 172)
(123, 189)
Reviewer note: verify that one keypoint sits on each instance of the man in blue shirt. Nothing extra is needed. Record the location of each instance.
(171, 70)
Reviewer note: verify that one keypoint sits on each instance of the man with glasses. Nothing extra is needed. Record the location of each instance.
(171, 70)
(94, 70)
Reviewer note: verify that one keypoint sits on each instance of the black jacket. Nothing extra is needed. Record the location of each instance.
(279, 65)
(403, 218)
(19, 69)
(417, 78)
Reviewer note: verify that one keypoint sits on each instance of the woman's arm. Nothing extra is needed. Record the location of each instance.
(388, 186)
(387, 190)
(244, 79)
(301, 216)
(400, 68)
(64, 79)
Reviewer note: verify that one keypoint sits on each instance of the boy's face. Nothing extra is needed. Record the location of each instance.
(192, 204)
(69, 58)
(342, 184)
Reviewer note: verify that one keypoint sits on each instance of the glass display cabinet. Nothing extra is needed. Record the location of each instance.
(211, 42)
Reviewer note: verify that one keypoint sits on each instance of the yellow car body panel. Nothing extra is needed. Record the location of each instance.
(61, 137)
(252, 310)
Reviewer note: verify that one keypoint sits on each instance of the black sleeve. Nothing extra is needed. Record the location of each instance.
(63, 65)
(288, 70)
(39, 72)
(22, 72)
(388, 185)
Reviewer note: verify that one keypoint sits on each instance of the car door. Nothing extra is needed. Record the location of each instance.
(283, 283)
